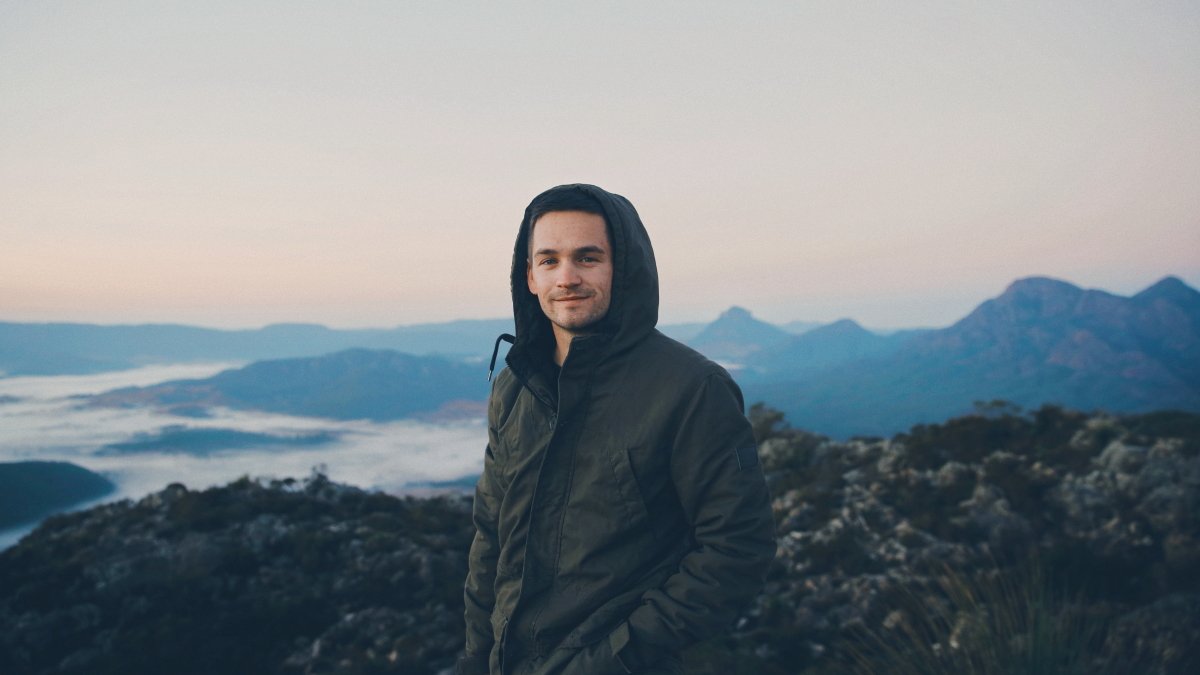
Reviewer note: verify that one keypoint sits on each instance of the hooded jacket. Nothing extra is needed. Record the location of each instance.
(621, 514)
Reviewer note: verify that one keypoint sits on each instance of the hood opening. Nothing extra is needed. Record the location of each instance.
(633, 306)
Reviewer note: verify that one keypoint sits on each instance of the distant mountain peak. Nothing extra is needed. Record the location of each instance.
(740, 318)
(1040, 286)
(843, 327)
(1025, 300)
(735, 334)
(736, 313)
(1170, 288)
(846, 323)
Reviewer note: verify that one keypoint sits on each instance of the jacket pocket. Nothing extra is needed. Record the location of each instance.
(627, 485)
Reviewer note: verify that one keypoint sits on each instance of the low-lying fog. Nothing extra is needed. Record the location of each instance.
(40, 420)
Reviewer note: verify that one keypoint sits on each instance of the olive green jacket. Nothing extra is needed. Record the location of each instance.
(621, 514)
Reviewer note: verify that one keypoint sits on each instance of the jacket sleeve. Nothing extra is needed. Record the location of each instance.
(479, 589)
(714, 466)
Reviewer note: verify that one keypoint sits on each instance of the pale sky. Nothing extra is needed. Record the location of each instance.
(367, 163)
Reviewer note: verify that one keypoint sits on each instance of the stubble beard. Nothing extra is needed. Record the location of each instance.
(576, 322)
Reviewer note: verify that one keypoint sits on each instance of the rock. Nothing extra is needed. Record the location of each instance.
(1161, 638)
(988, 512)
(316, 577)
(231, 580)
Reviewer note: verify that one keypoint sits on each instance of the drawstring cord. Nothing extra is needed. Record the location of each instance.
(496, 350)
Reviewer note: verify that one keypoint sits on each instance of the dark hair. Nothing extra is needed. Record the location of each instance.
(559, 199)
(563, 200)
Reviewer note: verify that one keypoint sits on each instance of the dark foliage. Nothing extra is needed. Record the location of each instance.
(907, 554)
(30, 490)
(876, 533)
(250, 577)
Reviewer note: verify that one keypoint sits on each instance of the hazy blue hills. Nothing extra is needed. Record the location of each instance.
(822, 348)
(31, 490)
(352, 384)
(79, 349)
(66, 348)
(798, 327)
(735, 335)
(202, 441)
(684, 332)
(1041, 341)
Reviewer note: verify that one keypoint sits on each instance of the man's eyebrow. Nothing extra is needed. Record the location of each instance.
(590, 248)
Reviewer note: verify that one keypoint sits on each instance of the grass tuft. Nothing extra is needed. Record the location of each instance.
(1013, 621)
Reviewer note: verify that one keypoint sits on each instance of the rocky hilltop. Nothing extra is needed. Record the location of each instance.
(281, 577)
(997, 542)
(994, 537)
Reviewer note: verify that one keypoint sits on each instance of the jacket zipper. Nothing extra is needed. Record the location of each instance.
(553, 424)
(503, 640)
(537, 481)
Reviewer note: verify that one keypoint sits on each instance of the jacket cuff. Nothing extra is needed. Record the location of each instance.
(474, 663)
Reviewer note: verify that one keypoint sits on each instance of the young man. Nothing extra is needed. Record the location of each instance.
(622, 514)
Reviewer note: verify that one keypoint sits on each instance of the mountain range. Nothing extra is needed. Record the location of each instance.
(70, 349)
(372, 384)
(1041, 341)
(82, 349)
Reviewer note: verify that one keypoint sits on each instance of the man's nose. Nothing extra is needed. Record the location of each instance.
(567, 275)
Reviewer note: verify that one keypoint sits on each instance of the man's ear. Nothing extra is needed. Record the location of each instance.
(529, 277)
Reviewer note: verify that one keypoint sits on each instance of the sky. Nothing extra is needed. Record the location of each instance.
(234, 164)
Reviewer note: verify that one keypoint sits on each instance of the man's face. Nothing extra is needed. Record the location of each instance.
(570, 269)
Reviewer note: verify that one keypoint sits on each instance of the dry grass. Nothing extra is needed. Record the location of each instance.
(1016, 621)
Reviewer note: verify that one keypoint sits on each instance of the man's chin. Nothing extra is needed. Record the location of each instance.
(577, 325)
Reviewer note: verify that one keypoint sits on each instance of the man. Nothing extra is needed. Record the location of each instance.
(622, 514)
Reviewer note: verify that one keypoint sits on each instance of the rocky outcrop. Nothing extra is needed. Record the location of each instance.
(1094, 515)
(978, 545)
(285, 577)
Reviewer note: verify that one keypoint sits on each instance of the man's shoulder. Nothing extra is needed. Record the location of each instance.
(504, 381)
(671, 358)
(505, 388)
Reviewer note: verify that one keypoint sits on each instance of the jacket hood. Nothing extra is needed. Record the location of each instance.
(633, 306)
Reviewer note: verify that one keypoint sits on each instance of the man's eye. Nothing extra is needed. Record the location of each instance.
(588, 259)
(547, 261)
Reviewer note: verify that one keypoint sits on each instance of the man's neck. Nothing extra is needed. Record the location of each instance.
(562, 344)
